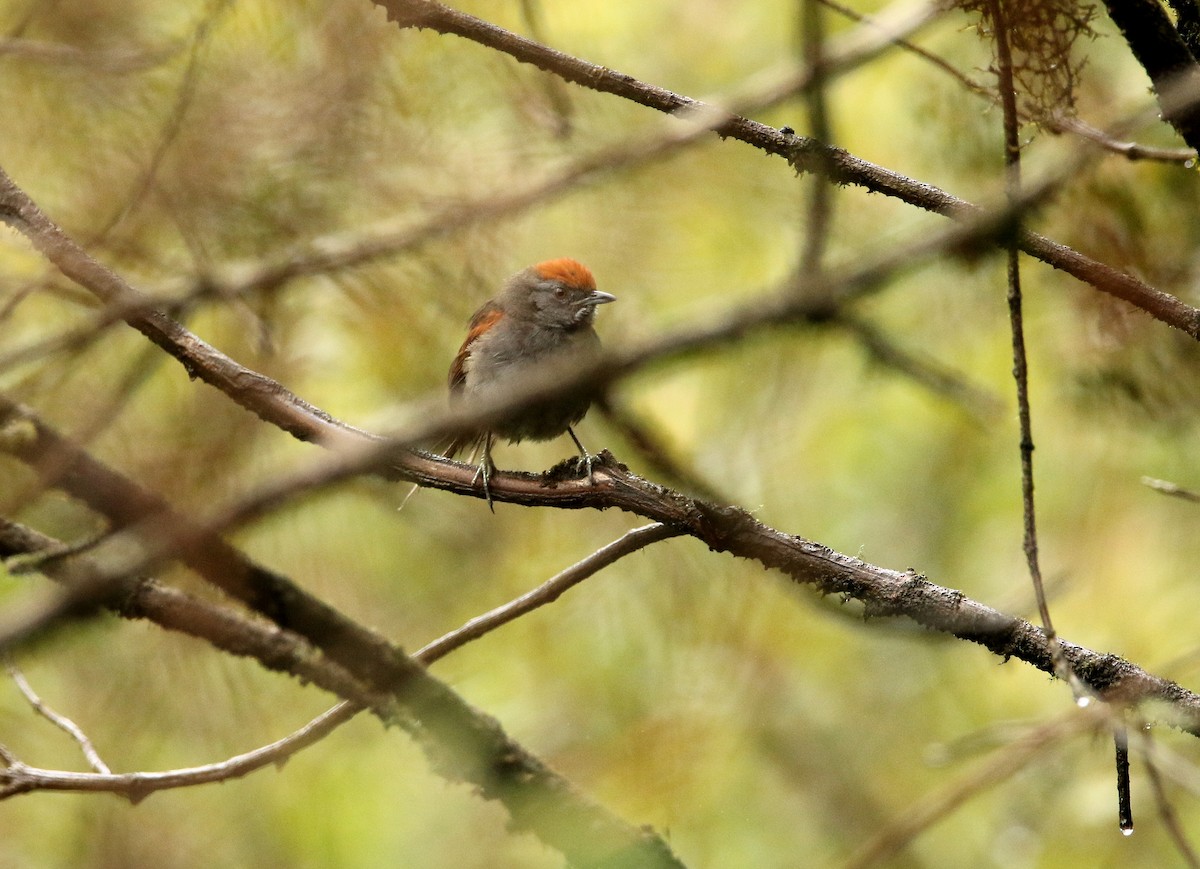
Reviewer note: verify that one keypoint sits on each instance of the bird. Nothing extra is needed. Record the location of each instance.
(542, 318)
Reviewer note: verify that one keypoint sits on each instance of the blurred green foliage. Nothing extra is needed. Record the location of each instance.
(753, 723)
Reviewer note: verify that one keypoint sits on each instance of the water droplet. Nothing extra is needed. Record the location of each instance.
(1189, 163)
(1127, 831)
(1083, 701)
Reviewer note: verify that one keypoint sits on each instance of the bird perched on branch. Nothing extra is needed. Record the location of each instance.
(541, 320)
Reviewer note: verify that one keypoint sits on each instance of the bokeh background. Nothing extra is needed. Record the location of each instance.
(751, 721)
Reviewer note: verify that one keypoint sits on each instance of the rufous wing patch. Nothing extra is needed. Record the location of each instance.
(485, 318)
(571, 272)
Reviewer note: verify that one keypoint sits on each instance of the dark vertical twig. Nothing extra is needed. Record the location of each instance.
(1012, 163)
(812, 46)
(1124, 800)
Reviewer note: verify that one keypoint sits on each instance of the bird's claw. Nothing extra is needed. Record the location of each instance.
(584, 464)
(484, 472)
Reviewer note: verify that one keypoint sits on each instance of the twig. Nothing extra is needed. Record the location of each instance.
(884, 593)
(1056, 123)
(549, 591)
(841, 167)
(170, 132)
(1166, 809)
(136, 786)
(155, 606)
(966, 81)
(820, 205)
(1124, 798)
(462, 743)
(1169, 488)
(1012, 164)
(1132, 150)
(927, 372)
(918, 817)
(58, 720)
(118, 61)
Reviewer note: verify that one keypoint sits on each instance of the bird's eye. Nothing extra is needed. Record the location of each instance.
(560, 292)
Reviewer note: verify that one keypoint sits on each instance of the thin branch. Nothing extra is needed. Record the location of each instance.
(155, 605)
(549, 591)
(136, 786)
(58, 720)
(116, 61)
(1172, 489)
(884, 593)
(929, 373)
(918, 817)
(911, 47)
(1166, 810)
(1132, 150)
(1056, 123)
(462, 743)
(275, 404)
(820, 200)
(1020, 370)
(1124, 797)
(839, 166)
(174, 124)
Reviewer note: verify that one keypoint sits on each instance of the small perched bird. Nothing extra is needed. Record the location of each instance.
(541, 319)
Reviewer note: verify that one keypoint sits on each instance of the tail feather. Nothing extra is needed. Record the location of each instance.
(450, 448)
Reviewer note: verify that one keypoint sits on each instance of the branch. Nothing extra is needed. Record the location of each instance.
(547, 592)
(1173, 489)
(60, 721)
(462, 743)
(805, 155)
(1162, 52)
(923, 814)
(883, 592)
(1061, 123)
(178, 611)
(257, 393)
(20, 778)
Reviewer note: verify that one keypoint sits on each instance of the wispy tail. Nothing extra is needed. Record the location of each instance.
(450, 448)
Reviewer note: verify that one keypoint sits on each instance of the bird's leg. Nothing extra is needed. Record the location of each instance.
(585, 458)
(486, 466)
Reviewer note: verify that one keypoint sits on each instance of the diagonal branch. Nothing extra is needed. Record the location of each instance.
(882, 592)
(805, 155)
(462, 743)
(549, 591)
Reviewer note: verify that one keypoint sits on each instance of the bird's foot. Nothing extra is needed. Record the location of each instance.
(484, 472)
(583, 465)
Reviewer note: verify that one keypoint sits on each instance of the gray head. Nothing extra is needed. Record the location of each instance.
(560, 293)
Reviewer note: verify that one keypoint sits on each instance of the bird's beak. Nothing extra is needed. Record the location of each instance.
(595, 297)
